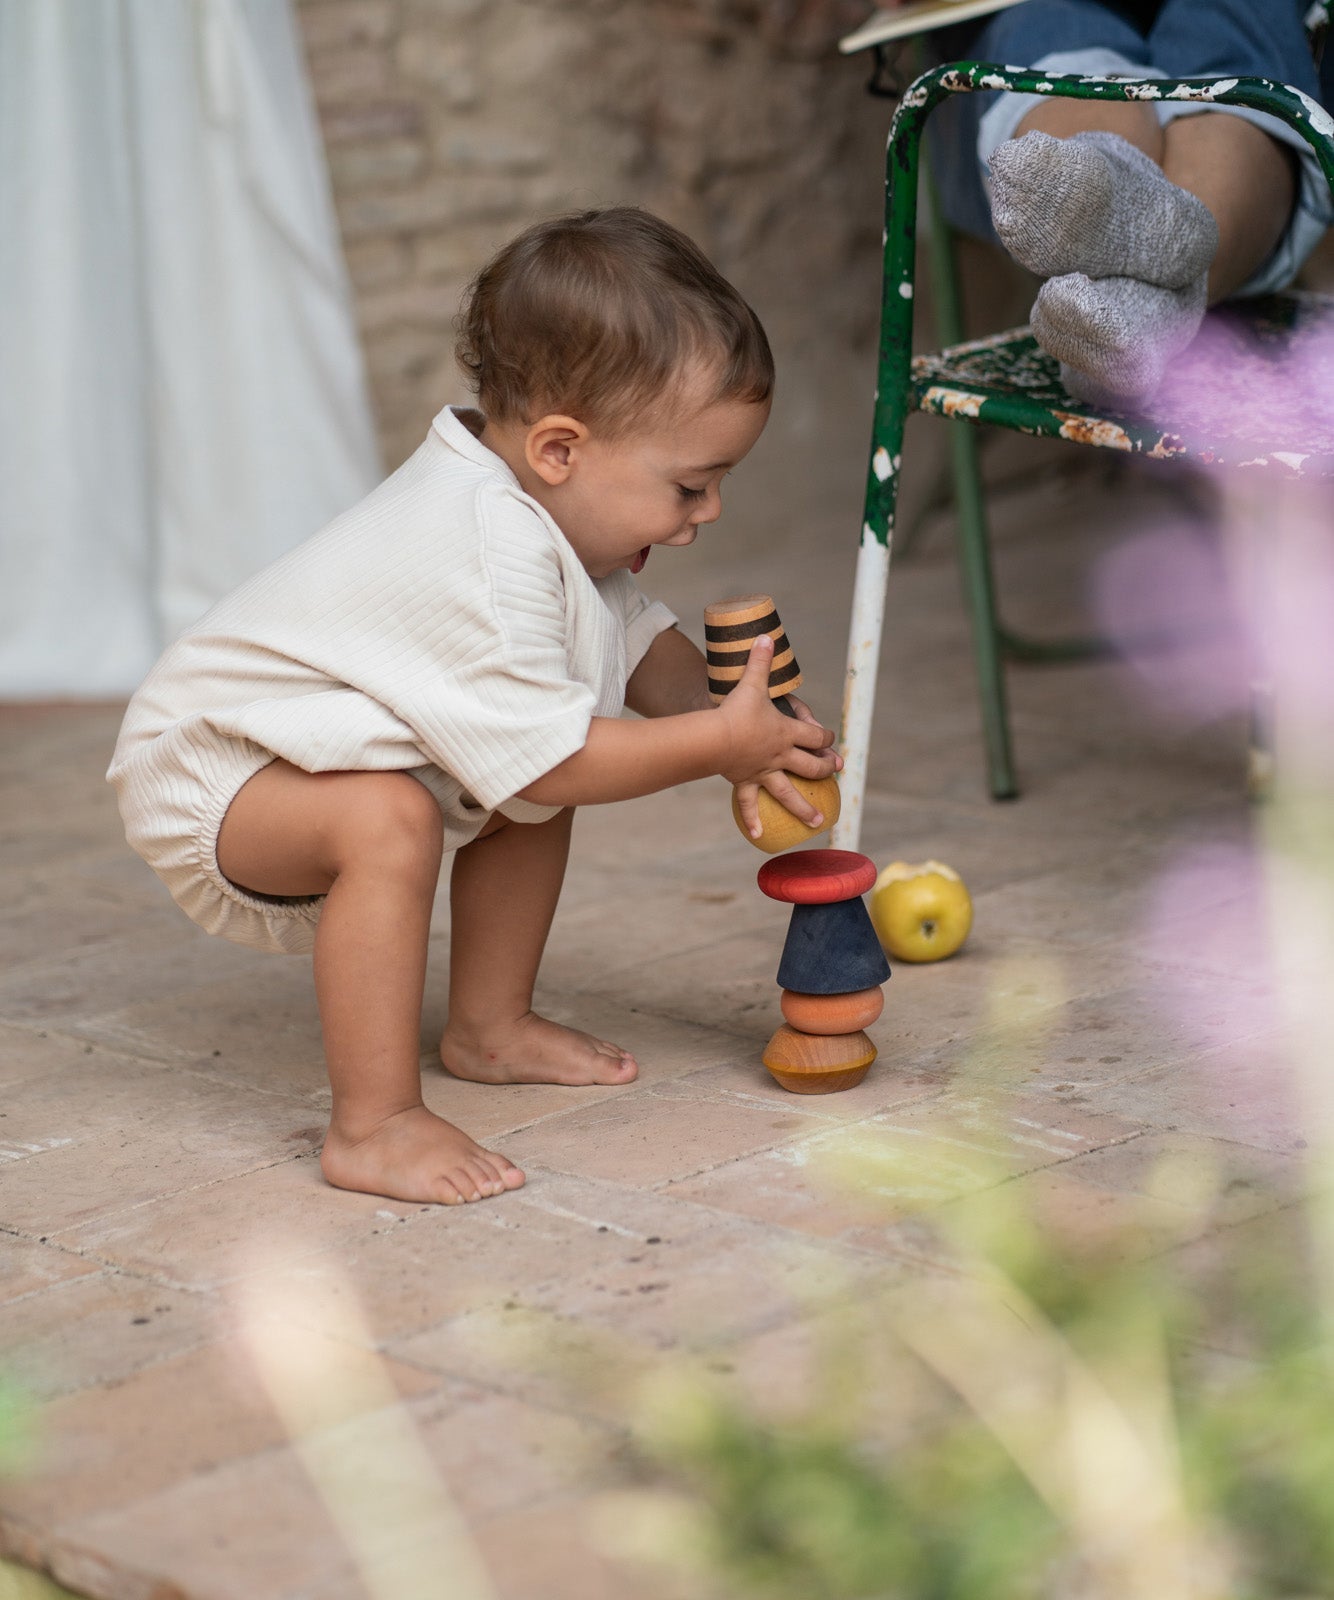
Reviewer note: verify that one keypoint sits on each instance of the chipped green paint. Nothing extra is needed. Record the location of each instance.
(1009, 380)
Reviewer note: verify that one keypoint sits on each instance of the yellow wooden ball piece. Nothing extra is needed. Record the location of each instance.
(780, 830)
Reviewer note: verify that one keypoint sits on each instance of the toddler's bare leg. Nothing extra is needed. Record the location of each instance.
(370, 842)
(503, 895)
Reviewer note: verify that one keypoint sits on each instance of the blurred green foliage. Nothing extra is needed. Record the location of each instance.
(19, 1583)
(14, 1435)
(1209, 1394)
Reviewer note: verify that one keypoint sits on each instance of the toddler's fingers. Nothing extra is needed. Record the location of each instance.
(758, 662)
(810, 734)
(748, 804)
(780, 787)
(813, 763)
(803, 711)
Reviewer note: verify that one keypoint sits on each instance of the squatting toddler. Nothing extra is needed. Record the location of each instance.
(443, 669)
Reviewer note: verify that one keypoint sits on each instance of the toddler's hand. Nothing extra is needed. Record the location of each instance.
(763, 744)
(780, 786)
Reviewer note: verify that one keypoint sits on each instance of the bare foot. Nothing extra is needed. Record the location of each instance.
(415, 1155)
(533, 1050)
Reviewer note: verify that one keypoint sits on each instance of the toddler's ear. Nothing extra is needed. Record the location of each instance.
(550, 447)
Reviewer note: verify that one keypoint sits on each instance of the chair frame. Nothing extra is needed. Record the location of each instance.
(894, 398)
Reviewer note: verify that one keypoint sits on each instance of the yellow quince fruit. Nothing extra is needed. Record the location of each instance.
(921, 912)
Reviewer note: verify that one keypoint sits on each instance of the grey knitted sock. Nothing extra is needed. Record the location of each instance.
(1115, 336)
(1095, 204)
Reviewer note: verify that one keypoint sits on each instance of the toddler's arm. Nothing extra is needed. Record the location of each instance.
(671, 678)
(743, 740)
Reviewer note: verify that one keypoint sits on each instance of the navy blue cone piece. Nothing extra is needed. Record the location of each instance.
(832, 949)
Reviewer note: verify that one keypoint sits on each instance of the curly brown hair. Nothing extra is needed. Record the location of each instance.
(597, 314)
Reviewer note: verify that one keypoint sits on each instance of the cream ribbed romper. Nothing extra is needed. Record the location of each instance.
(442, 627)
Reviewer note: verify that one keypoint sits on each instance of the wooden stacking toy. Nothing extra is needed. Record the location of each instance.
(730, 628)
(830, 972)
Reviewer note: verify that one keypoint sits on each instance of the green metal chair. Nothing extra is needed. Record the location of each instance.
(1007, 380)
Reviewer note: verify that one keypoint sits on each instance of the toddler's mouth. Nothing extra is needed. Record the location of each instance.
(637, 565)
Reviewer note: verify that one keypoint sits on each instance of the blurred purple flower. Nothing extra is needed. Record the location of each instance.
(1208, 919)
(1250, 386)
(1164, 600)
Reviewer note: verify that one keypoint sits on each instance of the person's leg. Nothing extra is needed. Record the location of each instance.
(1234, 174)
(1095, 208)
(1125, 251)
(1057, 35)
(1133, 254)
(1247, 179)
(1245, 166)
(1132, 265)
(371, 843)
(1131, 120)
(503, 895)
(1070, 194)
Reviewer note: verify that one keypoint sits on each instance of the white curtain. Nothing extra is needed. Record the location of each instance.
(182, 395)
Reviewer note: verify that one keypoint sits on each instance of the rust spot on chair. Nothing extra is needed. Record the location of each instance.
(1096, 431)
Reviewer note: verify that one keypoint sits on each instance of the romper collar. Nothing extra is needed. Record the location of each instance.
(456, 433)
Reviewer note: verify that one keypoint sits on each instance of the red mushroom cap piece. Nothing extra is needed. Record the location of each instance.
(817, 877)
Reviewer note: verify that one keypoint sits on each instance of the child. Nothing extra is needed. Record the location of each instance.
(443, 668)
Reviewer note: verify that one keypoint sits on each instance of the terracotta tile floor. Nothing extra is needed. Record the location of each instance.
(225, 1354)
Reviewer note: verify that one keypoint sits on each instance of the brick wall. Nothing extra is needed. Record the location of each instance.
(451, 124)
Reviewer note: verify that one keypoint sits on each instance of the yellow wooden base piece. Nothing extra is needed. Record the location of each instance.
(780, 829)
(818, 1082)
(818, 1063)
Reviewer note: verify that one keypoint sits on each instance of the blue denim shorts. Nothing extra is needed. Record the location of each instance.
(1185, 39)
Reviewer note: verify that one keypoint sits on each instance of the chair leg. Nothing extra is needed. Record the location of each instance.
(974, 551)
(868, 611)
(980, 595)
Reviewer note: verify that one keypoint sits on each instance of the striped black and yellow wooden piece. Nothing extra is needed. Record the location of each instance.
(730, 628)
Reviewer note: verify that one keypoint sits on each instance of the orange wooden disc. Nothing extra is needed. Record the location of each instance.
(832, 1013)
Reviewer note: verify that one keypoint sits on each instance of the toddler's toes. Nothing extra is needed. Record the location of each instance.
(497, 1174)
(450, 1189)
(627, 1068)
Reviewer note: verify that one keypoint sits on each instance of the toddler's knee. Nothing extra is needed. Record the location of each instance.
(394, 822)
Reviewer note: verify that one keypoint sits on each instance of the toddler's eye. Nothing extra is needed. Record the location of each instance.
(690, 494)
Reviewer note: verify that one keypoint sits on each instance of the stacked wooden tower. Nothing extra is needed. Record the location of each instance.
(832, 965)
(830, 973)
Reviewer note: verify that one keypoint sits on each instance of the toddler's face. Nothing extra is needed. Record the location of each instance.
(655, 486)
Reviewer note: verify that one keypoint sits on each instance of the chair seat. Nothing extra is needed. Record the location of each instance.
(1255, 389)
